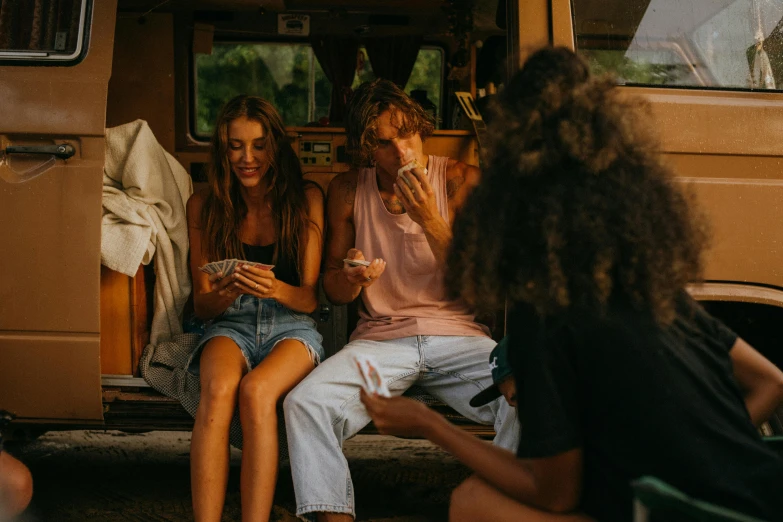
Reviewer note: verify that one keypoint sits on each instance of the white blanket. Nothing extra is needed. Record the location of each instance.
(145, 191)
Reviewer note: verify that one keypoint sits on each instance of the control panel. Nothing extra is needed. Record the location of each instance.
(316, 153)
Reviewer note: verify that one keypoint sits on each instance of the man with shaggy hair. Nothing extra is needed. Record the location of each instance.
(389, 227)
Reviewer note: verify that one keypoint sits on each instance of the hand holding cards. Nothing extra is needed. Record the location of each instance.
(373, 383)
(227, 266)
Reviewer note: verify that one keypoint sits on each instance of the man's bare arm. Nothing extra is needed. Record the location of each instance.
(340, 238)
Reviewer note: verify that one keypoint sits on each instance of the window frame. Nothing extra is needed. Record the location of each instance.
(35, 58)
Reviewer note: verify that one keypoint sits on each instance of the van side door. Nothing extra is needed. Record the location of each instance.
(53, 93)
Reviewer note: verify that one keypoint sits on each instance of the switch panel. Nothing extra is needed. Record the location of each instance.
(316, 153)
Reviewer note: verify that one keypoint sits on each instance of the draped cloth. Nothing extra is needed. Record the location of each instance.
(393, 57)
(337, 57)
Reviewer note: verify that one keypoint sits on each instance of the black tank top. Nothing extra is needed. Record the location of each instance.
(285, 269)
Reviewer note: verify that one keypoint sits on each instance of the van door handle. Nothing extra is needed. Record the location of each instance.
(62, 151)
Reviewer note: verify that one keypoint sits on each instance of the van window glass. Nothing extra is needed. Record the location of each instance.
(728, 44)
(290, 77)
(286, 74)
(427, 75)
(33, 32)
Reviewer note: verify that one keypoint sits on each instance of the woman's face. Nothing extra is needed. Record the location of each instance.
(247, 151)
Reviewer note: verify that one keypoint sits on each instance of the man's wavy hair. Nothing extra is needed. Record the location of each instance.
(368, 101)
(575, 207)
(224, 208)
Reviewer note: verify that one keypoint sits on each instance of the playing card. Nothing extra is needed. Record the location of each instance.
(228, 266)
(357, 262)
(262, 266)
(371, 375)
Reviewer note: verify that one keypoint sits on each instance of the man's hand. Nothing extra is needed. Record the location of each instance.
(398, 416)
(418, 198)
(361, 275)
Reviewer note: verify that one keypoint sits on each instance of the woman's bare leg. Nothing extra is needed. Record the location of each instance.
(259, 393)
(476, 501)
(222, 366)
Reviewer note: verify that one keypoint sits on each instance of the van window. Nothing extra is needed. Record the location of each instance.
(728, 44)
(290, 77)
(36, 32)
(427, 75)
(286, 74)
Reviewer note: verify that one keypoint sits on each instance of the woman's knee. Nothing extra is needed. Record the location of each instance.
(257, 400)
(219, 391)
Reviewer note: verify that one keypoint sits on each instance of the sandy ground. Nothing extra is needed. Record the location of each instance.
(114, 476)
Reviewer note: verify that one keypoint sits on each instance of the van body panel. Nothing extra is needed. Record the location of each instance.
(52, 376)
(49, 294)
(724, 145)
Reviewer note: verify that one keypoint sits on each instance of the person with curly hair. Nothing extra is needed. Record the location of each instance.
(619, 373)
(396, 208)
(259, 340)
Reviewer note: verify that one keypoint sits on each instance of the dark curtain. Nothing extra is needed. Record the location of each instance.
(34, 24)
(337, 56)
(393, 57)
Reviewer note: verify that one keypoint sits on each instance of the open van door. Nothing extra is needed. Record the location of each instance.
(54, 73)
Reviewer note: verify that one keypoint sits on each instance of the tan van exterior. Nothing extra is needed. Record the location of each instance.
(72, 331)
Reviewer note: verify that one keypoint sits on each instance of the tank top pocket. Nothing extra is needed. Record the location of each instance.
(418, 256)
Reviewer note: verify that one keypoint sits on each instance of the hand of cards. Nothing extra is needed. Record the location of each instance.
(227, 266)
(371, 376)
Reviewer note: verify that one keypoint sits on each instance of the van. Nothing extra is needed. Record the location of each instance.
(72, 331)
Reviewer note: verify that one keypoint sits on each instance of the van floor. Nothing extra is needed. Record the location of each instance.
(114, 476)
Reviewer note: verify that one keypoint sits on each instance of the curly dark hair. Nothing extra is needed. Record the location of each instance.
(368, 101)
(576, 207)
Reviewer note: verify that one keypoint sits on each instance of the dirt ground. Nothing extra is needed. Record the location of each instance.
(115, 476)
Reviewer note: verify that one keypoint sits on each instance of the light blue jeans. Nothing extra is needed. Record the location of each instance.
(324, 409)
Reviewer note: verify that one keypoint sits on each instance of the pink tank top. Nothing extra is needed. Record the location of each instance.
(409, 298)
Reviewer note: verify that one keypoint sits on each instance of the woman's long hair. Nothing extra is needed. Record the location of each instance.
(224, 208)
(576, 206)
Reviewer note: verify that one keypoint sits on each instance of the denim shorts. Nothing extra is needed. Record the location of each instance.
(256, 326)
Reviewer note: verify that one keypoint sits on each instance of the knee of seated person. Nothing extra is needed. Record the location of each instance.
(218, 391)
(16, 486)
(300, 398)
(256, 398)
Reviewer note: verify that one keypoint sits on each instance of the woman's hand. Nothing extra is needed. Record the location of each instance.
(398, 416)
(255, 281)
(363, 276)
(224, 286)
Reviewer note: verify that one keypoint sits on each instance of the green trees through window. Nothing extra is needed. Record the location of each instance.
(290, 77)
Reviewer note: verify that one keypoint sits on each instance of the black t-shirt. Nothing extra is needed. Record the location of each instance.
(285, 269)
(641, 400)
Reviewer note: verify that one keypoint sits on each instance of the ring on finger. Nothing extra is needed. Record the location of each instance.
(368, 279)
(255, 287)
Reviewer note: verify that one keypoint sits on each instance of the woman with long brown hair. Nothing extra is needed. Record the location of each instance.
(259, 341)
(619, 374)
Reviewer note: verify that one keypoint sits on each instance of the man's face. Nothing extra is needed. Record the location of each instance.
(395, 150)
(509, 390)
